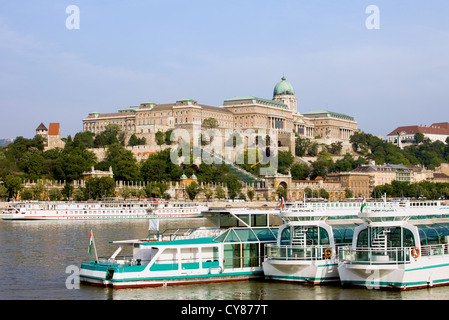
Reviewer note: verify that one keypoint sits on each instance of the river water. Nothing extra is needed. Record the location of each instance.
(37, 259)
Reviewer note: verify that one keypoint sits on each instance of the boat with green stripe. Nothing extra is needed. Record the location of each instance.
(234, 250)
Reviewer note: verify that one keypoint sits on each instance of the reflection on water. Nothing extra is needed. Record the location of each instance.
(34, 256)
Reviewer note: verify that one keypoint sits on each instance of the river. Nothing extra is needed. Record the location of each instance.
(37, 259)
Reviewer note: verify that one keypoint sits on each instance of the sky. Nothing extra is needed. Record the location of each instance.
(125, 53)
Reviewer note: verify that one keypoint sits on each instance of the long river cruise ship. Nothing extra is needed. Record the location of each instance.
(82, 210)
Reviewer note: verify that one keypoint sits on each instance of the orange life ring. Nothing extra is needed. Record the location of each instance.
(415, 252)
(328, 252)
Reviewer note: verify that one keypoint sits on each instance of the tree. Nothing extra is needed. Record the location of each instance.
(208, 193)
(285, 160)
(281, 192)
(54, 194)
(98, 188)
(192, 190)
(319, 168)
(67, 191)
(233, 184)
(38, 191)
(324, 194)
(13, 185)
(123, 163)
(3, 192)
(160, 138)
(300, 171)
(78, 194)
(308, 192)
(220, 193)
(348, 193)
(209, 123)
(108, 136)
(26, 194)
(250, 194)
(419, 137)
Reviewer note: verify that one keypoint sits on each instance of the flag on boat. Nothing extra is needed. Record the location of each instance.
(91, 241)
(363, 204)
(282, 204)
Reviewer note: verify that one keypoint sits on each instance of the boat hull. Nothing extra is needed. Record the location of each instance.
(307, 272)
(101, 276)
(424, 273)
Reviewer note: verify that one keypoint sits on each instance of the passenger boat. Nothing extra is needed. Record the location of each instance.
(231, 251)
(400, 245)
(307, 243)
(81, 210)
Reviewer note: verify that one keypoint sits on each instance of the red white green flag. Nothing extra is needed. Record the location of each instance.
(91, 241)
(363, 204)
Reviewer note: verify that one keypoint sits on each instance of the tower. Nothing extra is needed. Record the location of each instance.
(284, 92)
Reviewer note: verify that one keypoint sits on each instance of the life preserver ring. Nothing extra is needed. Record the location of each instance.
(328, 252)
(415, 252)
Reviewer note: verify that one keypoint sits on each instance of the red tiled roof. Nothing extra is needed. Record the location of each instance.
(436, 128)
(53, 129)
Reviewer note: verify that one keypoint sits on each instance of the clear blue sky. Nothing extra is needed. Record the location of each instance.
(129, 52)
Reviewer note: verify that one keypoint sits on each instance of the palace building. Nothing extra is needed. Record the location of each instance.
(239, 113)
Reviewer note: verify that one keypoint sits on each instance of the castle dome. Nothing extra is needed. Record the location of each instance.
(283, 87)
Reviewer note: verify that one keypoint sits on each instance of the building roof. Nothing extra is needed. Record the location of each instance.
(283, 87)
(327, 113)
(436, 128)
(255, 100)
(41, 127)
(53, 129)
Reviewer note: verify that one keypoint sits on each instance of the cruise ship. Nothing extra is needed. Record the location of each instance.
(82, 210)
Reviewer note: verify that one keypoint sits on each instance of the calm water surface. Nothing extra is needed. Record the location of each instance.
(34, 256)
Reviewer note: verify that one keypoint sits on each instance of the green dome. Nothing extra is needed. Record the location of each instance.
(283, 87)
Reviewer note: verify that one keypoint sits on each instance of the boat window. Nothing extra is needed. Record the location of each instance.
(408, 239)
(285, 236)
(245, 235)
(324, 236)
(362, 238)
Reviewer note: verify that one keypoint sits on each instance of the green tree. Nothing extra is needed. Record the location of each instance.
(250, 194)
(348, 193)
(208, 193)
(54, 194)
(300, 171)
(233, 184)
(123, 163)
(324, 194)
(308, 192)
(3, 192)
(281, 192)
(26, 194)
(192, 190)
(67, 191)
(209, 123)
(99, 188)
(79, 194)
(160, 138)
(220, 193)
(13, 184)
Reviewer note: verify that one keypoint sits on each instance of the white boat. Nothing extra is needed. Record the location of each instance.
(400, 245)
(81, 210)
(231, 251)
(306, 247)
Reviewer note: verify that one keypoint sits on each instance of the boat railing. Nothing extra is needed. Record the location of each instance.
(292, 252)
(392, 255)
